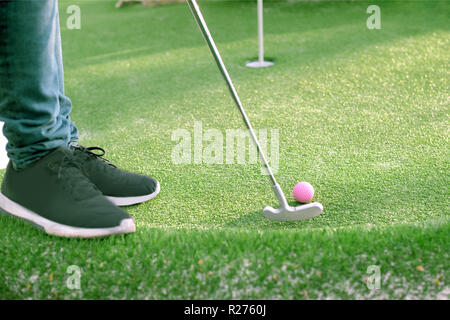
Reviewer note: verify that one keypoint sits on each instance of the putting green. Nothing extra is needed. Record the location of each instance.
(361, 114)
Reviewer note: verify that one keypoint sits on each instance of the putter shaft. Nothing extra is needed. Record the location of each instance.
(285, 212)
(223, 70)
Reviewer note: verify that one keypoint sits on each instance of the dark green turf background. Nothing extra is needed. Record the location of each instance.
(362, 115)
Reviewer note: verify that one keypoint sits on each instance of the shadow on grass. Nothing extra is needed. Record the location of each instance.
(110, 35)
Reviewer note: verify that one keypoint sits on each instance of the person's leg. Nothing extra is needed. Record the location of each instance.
(34, 110)
(43, 183)
(33, 104)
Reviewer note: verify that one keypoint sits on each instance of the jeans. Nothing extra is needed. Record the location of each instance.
(32, 101)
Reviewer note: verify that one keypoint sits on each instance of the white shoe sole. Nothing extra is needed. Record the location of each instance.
(128, 201)
(57, 229)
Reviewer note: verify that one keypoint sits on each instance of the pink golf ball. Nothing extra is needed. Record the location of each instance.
(303, 192)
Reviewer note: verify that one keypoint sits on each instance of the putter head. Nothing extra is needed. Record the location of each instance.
(289, 213)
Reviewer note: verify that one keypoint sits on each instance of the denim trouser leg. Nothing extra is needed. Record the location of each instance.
(32, 101)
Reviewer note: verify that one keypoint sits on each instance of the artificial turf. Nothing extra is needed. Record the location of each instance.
(362, 115)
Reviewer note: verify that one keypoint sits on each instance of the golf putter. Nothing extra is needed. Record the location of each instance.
(285, 212)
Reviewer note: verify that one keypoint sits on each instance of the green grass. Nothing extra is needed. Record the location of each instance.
(362, 115)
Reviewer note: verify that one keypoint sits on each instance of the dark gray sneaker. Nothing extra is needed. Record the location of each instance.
(120, 187)
(56, 195)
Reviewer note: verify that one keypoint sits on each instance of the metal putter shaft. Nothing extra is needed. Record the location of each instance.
(285, 212)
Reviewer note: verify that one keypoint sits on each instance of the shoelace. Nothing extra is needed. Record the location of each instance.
(90, 151)
(77, 182)
(65, 162)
